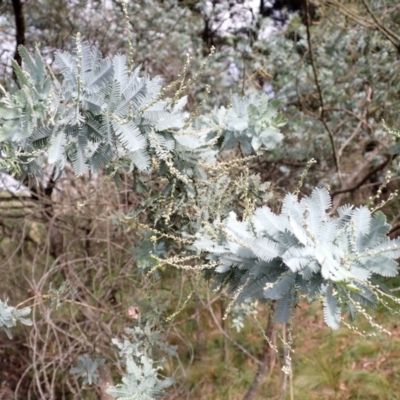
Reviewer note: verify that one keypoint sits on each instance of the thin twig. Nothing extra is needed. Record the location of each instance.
(269, 331)
(239, 346)
(362, 120)
(363, 180)
(321, 98)
(389, 34)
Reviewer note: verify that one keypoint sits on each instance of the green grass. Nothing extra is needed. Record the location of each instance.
(326, 364)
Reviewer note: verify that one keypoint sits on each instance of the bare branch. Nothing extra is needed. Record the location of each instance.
(321, 98)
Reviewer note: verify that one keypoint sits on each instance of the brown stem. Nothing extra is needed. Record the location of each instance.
(222, 322)
(105, 381)
(43, 197)
(394, 229)
(389, 34)
(238, 345)
(199, 331)
(319, 90)
(365, 179)
(264, 361)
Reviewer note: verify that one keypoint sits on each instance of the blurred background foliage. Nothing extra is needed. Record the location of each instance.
(334, 67)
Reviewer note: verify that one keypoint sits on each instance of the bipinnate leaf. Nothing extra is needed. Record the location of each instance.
(332, 315)
(87, 369)
(317, 254)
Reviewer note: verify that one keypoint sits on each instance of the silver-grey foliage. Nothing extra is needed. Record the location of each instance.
(303, 251)
(253, 122)
(142, 380)
(99, 112)
(9, 316)
(87, 368)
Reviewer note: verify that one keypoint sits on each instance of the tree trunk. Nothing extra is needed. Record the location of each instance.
(19, 28)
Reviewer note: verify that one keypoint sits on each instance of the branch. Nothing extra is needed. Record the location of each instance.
(374, 25)
(105, 381)
(265, 358)
(362, 120)
(365, 179)
(321, 99)
(394, 229)
(351, 113)
(389, 34)
(239, 346)
(366, 23)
